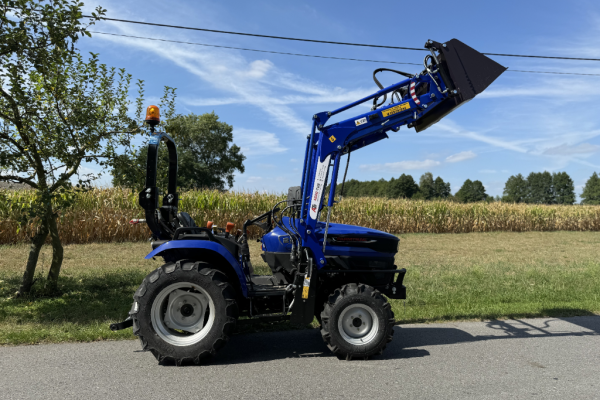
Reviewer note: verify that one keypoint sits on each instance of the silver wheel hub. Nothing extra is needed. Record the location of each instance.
(185, 311)
(358, 324)
(182, 314)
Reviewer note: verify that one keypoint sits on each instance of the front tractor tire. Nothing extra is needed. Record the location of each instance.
(184, 312)
(357, 322)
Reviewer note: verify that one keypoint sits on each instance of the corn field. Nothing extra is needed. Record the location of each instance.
(102, 215)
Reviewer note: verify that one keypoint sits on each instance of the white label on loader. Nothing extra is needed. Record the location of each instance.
(361, 121)
(315, 199)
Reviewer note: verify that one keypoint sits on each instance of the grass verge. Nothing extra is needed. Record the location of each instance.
(450, 277)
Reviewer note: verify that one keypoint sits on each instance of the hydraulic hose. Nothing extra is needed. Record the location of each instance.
(375, 103)
(345, 173)
(293, 255)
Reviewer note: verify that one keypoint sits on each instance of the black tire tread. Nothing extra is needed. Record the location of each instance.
(335, 298)
(218, 278)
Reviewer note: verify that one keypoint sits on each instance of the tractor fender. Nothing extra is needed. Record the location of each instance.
(187, 246)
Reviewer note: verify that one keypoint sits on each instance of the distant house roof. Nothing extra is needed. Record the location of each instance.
(14, 186)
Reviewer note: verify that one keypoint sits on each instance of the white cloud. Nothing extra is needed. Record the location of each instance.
(462, 156)
(256, 142)
(267, 166)
(258, 83)
(565, 89)
(487, 171)
(400, 166)
(204, 102)
(566, 150)
(253, 179)
(449, 126)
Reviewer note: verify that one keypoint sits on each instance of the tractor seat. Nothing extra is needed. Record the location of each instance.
(185, 220)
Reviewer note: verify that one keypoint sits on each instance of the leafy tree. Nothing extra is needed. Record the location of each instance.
(418, 196)
(471, 191)
(516, 189)
(564, 189)
(441, 189)
(376, 188)
(591, 191)
(206, 156)
(349, 188)
(540, 190)
(403, 187)
(57, 110)
(427, 186)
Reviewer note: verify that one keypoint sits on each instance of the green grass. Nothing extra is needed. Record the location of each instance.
(450, 277)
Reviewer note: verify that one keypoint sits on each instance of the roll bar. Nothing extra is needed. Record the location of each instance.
(160, 219)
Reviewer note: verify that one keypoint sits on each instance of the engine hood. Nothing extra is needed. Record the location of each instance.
(342, 240)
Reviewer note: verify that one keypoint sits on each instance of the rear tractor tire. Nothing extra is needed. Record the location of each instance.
(184, 312)
(357, 322)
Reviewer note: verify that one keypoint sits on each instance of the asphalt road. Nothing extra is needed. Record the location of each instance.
(531, 358)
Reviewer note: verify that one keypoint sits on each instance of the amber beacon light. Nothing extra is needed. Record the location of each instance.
(152, 116)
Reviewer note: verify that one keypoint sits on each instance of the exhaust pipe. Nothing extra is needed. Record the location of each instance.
(466, 73)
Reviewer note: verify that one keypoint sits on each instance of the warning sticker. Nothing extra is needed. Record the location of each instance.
(332, 139)
(361, 121)
(396, 109)
(305, 288)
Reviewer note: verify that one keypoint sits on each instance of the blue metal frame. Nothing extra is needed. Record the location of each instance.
(333, 140)
(327, 144)
(352, 134)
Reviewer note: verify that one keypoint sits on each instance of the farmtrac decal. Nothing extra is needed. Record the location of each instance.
(315, 198)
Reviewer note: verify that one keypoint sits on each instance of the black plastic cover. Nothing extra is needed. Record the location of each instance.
(463, 69)
(294, 195)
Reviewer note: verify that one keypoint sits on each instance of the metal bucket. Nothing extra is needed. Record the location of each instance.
(463, 69)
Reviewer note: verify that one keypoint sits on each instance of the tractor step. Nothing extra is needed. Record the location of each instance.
(265, 285)
(264, 318)
(264, 280)
(266, 290)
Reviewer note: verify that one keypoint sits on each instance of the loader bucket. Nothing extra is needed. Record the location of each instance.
(463, 69)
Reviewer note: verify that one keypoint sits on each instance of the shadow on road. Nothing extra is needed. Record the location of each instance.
(407, 340)
(291, 344)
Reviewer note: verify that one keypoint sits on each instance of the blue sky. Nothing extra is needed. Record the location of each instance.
(522, 123)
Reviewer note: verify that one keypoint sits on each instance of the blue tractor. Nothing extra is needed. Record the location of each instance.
(186, 310)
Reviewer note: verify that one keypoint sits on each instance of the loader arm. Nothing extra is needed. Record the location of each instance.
(453, 74)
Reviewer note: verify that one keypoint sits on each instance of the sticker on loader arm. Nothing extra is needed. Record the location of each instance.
(315, 199)
(305, 288)
(396, 109)
(360, 121)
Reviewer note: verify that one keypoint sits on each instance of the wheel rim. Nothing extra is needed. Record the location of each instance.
(182, 314)
(358, 324)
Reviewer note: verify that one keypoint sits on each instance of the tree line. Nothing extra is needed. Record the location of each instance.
(406, 187)
(546, 188)
(536, 188)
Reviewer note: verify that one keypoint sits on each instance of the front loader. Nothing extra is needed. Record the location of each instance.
(343, 275)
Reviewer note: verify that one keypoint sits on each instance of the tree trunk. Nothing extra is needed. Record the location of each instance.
(34, 252)
(57, 253)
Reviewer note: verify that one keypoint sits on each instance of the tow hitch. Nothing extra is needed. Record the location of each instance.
(128, 323)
